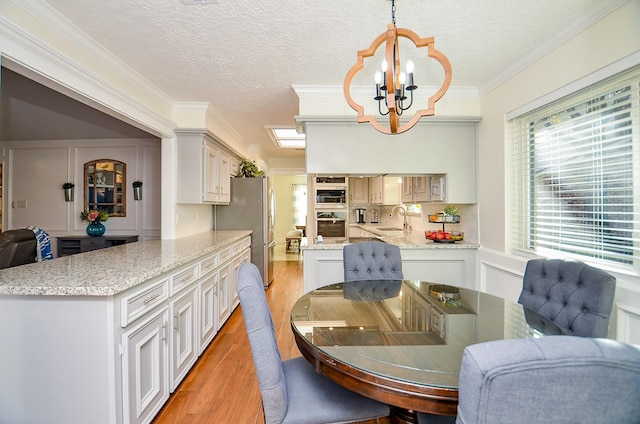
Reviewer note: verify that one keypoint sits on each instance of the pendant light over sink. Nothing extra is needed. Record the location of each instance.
(394, 89)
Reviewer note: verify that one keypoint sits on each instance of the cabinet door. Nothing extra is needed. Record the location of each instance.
(145, 368)
(224, 285)
(375, 190)
(407, 189)
(224, 178)
(208, 310)
(359, 190)
(421, 189)
(211, 173)
(184, 336)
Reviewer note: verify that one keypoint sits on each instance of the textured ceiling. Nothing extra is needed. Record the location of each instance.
(243, 56)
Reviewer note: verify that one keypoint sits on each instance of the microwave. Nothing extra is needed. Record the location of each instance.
(334, 197)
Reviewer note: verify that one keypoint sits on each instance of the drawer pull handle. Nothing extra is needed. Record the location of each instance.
(151, 298)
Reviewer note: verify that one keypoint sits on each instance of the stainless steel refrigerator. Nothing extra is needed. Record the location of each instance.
(252, 207)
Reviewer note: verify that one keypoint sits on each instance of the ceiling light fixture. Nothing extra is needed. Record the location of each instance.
(392, 84)
(286, 137)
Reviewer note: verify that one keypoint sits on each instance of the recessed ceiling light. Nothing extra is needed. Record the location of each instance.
(286, 137)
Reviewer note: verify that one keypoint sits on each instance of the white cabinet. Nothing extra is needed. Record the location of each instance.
(224, 286)
(385, 190)
(208, 310)
(415, 189)
(145, 368)
(359, 190)
(204, 169)
(455, 266)
(184, 340)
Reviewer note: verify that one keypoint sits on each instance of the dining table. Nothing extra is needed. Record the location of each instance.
(401, 341)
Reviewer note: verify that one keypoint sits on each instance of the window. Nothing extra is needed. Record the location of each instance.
(576, 174)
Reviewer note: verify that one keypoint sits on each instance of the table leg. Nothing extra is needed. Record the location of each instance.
(403, 416)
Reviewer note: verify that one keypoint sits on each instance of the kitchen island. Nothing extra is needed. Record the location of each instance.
(105, 336)
(425, 260)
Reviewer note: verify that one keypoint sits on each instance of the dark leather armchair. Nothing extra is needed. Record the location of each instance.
(17, 247)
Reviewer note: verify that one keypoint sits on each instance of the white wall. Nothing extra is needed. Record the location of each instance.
(35, 171)
(611, 39)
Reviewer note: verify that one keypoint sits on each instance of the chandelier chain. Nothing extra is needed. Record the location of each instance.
(393, 11)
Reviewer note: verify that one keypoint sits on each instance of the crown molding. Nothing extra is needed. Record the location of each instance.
(33, 58)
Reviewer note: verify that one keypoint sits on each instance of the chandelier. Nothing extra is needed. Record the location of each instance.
(393, 87)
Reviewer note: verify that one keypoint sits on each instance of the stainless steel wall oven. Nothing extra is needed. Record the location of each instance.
(332, 225)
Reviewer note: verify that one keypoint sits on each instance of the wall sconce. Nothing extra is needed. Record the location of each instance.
(137, 190)
(68, 188)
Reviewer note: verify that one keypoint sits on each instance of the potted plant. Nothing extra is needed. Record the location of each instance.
(95, 218)
(451, 214)
(68, 191)
(249, 169)
(137, 190)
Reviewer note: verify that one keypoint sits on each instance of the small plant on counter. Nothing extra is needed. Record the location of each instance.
(137, 183)
(450, 210)
(68, 185)
(249, 169)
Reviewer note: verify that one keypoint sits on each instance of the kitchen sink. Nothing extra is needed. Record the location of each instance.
(389, 229)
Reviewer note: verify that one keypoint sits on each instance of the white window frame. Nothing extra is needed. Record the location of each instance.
(519, 183)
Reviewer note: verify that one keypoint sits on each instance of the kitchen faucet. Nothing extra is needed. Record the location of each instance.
(405, 226)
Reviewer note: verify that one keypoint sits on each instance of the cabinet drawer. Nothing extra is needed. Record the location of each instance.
(89, 244)
(237, 248)
(182, 279)
(246, 243)
(209, 265)
(138, 303)
(225, 254)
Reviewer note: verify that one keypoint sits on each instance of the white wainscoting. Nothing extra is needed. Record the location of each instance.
(501, 274)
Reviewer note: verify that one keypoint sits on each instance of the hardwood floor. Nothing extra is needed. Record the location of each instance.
(222, 387)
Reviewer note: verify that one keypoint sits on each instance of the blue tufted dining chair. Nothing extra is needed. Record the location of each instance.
(372, 260)
(292, 392)
(575, 296)
(552, 379)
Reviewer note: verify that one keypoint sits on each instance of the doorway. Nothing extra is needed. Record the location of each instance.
(291, 211)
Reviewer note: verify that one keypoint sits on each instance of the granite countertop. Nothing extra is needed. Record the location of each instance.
(408, 240)
(107, 272)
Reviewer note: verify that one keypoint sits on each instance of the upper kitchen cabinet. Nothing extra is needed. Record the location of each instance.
(415, 189)
(384, 190)
(437, 146)
(358, 190)
(204, 170)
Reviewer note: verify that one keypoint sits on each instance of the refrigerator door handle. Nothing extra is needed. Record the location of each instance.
(272, 243)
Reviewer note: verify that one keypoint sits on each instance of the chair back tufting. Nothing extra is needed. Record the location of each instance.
(372, 260)
(552, 379)
(575, 296)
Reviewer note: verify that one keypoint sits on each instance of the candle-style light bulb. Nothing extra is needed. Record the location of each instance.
(378, 78)
(410, 66)
(403, 78)
(410, 84)
(384, 65)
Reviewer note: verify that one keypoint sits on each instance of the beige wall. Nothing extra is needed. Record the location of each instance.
(611, 39)
(282, 185)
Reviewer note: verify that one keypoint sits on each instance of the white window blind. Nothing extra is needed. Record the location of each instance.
(576, 175)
